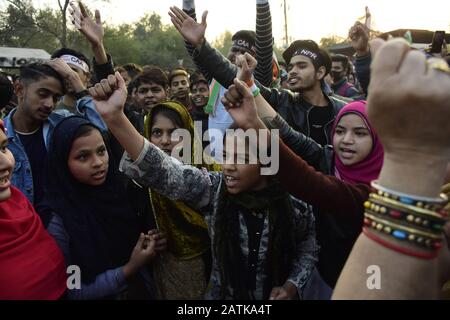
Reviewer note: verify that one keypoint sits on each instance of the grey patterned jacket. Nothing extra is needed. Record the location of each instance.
(200, 189)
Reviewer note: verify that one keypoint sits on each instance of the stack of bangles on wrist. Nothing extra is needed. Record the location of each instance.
(417, 220)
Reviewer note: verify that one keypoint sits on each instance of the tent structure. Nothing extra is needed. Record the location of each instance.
(16, 57)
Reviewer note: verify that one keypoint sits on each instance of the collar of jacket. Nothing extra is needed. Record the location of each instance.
(51, 122)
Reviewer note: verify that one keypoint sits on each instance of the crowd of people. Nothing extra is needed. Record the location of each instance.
(143, 180)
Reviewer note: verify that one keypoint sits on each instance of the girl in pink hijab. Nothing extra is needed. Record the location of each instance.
(358, 154)
(356, 157)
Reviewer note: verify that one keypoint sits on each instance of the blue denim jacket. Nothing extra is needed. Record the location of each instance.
(22, 177)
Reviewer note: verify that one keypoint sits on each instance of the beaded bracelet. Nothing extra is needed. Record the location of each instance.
(439, 213)
(378, 208)
(418, 201)
(421, 241)
(392, 225)
(399, 249)
(414, 221)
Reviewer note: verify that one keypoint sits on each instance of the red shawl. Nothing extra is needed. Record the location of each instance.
(31, 263)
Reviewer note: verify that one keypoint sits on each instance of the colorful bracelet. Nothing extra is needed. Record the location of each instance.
(439, 212)
(391, 227)
(418, 201)
(391, 246)
(434, 221)
(250, 83)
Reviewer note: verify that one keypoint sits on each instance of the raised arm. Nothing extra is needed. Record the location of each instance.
(264, 43)
(409, 106)
(302, 181)
(305, 147)
(207, 58)
(143, 161)
(359, 36)
(189, 9)
(94, 34)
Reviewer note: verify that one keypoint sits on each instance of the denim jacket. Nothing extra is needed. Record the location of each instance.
(22, 177)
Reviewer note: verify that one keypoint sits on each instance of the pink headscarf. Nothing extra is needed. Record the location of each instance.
(368, 169)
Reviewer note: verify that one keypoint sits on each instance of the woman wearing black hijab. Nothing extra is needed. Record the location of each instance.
(93, 221)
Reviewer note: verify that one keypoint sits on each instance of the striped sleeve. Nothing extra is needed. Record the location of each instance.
(264, 44)
(191, 49)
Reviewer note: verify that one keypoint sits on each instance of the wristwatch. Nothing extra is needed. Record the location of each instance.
(81, 94)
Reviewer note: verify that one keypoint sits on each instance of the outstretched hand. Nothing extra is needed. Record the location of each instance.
(92, 30)
(109, 96)
(191, 31)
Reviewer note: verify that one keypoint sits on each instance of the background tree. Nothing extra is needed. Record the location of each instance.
(223, 42)
(329, 41)
(145, 42)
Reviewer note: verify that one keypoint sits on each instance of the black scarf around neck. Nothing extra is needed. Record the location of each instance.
(230, 259)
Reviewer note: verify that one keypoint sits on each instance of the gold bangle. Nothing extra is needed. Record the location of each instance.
(378, 206)
(399, 206)
(403, 228)
(396, 195)
(416, 221)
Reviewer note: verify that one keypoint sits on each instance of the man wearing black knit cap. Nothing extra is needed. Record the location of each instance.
(243, 41)
(313, 110)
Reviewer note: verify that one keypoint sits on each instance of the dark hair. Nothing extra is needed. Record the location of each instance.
(152, 75)
(341, 58)
(6, 90)
(60, 52)
(84, 130)
(177, 72)
(36, 71)
(196, 78)
(132, 69)
(131, 86)
(170, 114)
(324, 57)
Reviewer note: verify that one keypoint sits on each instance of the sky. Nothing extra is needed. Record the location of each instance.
(312, 19)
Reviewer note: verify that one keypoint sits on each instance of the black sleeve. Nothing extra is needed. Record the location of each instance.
(215, 64)
(102, 71)
(303, 146)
